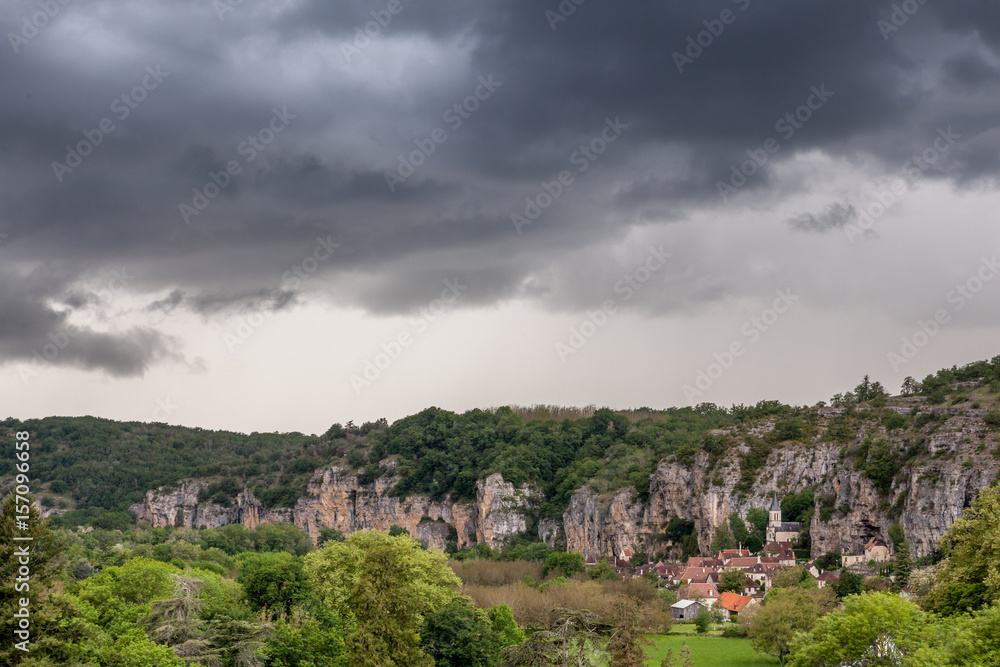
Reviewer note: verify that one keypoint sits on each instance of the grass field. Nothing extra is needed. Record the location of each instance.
(708, 651)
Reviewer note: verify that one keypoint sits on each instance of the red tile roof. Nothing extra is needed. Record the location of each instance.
(734, 602)
(702, 590)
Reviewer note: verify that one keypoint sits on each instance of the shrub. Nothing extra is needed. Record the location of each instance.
(734, 631)
(568, 562)
(702, 621)
(532, 608)
(481, 572)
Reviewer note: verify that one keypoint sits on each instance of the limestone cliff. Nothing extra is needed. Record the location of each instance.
(950, 454)
(959, 458)
(180, 506)
(336, 499)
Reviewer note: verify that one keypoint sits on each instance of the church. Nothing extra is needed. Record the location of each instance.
(778, 530)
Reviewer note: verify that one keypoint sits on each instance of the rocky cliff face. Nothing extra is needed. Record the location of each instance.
(337, 500)
(925, 497)
(955, 456)
(180, 506)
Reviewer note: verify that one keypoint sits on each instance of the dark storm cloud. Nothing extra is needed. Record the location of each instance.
(834, 216)
(351, 117)
(215, 302)
(37, 336)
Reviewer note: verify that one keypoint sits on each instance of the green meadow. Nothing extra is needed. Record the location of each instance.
(710, 650)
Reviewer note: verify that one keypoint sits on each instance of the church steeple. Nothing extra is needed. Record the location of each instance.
(774, 515)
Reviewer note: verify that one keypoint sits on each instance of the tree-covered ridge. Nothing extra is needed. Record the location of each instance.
(100, 464)
(105, 466)
(441, 453)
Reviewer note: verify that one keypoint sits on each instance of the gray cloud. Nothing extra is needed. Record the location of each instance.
(324, 174)
(834, 216)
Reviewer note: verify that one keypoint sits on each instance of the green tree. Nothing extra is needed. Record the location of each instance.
(703, 621)
(904, 556)
(567, 562)
(603, 570)
(42, 552)
(848, 583)
(396, 531)
(868, 620)
(626, 643)
(134, 649)
(757, 519)
(328, 535)
(829, 561)
(789, 576)
(502, 619)
(723, 539)
(273, 581)
(571, 638)
(972, 556)
(301, 640)
(82, 569)
(459, 635)
(798, 506)
(732, 581)
(382, 587)
(785, 613)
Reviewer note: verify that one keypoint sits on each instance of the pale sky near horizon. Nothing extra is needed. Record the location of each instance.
(255, 216)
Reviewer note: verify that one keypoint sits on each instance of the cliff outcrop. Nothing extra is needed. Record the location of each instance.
(944, 458)
(948, 465)
(336, 499)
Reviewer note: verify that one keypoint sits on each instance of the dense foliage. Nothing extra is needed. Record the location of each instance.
(97, 468)
(103, 465)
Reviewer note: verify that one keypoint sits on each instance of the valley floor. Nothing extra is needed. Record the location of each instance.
(707, 651)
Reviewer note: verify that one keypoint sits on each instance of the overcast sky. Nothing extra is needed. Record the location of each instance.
(275, 215)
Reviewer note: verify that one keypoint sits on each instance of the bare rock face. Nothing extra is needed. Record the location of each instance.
(598, 526)
(337, 500)
(180, 506)
(551, 532)
(926, 498)
(503, 510)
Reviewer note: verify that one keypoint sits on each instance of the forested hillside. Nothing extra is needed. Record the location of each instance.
(100, 467)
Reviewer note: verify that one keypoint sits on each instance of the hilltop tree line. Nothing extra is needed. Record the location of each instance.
(102, 466)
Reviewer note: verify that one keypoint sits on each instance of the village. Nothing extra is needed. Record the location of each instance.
(708, 581)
